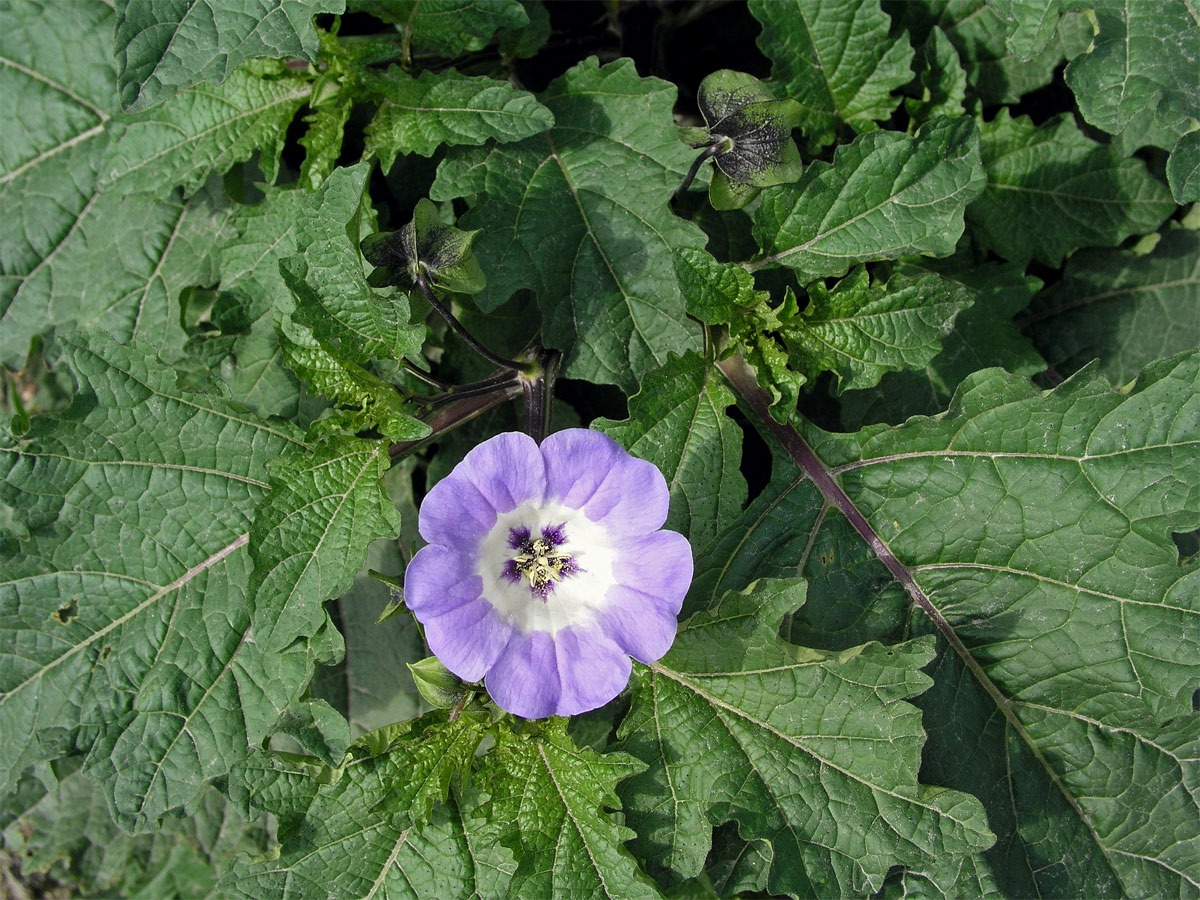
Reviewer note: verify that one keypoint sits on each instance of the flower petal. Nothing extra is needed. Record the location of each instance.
(524, 681)
(469, 639)
(575, 670)
(592, 667)
(642, 626)
(653, 574)
(658, 564)
(590, 471)
(495, 477)
(437, 581)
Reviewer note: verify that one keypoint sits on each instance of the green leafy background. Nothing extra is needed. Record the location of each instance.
(929, 415)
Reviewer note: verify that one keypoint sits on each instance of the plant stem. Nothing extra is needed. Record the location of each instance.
(425, 378)
(474, 389)
(453, 414)
(539, 392)
(462, 332)
(709, 153)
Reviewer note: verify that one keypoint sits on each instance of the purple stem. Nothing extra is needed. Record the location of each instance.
(741, 377)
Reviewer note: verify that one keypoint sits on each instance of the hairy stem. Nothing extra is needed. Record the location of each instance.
(468, 338)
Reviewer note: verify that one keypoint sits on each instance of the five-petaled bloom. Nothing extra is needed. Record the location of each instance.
(546, 569)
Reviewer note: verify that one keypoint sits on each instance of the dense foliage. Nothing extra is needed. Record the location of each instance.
(901, 297)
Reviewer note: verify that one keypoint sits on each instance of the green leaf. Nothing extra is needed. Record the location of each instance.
(942, 79)
(204, 130)
(677, 421)
(717, 293)
(127, 602)
(1030, 24)
(525, 42)
(165, 46)
(372, 401)
(51, 63)
(121, 267)
(980, 31)
(418, 115)
(723, 293)
(816, 753)
(68, 834)
(1126, 309)
(369, 827)
(286, 223)
(327, 280)
(310, 535)
(1183, 169)
(579, 216)
(447, 28)
(859, 331)
(548, 803)
(1060, 594)
(1042, 538)
(240, 345)
(70, 253)
(836, 59)
(371, 685)
(322, 141)
(884, 196)
(1079, 191)
(1140, 68)
(984, 335)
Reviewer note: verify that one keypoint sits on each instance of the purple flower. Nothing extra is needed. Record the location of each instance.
(546, 570)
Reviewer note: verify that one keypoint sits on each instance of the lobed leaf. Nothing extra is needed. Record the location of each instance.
(815, 753)
(1121, 308)
(943, 81)
(201, 131)
(310, 535)
(1183, 169)
(1041, 544)
(548, 804)
(678, 422)
(835, 58)
(1080, 191)
(860, 331)
(165, 46)
(70, 252)
(447, 27)
(68, 834)
(980, 31)
(884, 196)
(369, 827)
(127, 602)
(418, 115)
(1140, 71)
(327, 280)
(984, 335)
(372, 402)
(579, 216)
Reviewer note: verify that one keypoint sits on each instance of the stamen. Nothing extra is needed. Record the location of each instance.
(537, 560)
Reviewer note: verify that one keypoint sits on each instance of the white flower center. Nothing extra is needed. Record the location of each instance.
(545, 567)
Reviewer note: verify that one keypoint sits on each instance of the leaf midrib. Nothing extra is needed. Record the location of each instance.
(742, 379)
(175, 585)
